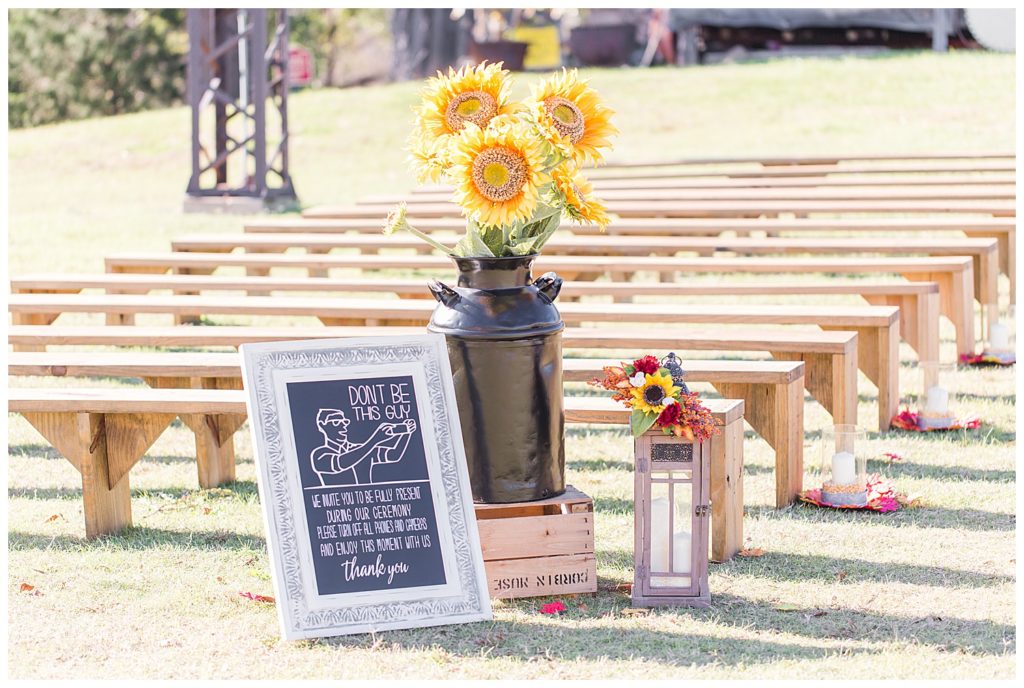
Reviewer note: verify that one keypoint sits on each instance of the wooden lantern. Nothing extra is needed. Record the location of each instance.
(672, 511)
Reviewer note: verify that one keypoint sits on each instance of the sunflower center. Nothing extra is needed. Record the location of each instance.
(567, 118)
(496, 174)
(654, 395)
(472, 106)
(499, 173)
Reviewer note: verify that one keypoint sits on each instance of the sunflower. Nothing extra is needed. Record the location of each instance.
(656, 392)
(430, 158)
(571, 117)
(474, 94)
(498, 173)
(577, 199)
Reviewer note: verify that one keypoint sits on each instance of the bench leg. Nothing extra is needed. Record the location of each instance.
(215, 444)
(727, 492)
(187, 318)
(956, 299)
(831, 379)
(316, 271)
(103, 447)
(878, 351)
(919, 320)
(215, 447)
(776, 412)
(31, 319)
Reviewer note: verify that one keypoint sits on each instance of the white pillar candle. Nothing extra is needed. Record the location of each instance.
(682, 546)
(938, 401)
(659, 534)
(844, 469)
(998, 337)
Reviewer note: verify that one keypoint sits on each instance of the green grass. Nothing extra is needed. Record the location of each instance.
(923, 593)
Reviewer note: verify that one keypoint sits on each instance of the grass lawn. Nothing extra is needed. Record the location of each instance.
(923, 593)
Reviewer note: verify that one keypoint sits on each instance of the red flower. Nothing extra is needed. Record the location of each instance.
(556, 607)
(648, 365)
(671, 415)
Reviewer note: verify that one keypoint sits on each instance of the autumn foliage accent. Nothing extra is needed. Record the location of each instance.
(882, 497)
(668, 408)
(908, 420)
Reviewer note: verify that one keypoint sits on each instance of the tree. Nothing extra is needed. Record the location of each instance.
(76, 63)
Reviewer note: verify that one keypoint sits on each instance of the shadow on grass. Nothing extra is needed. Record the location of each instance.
(921, 517)
(701, 637)
(956, 473)
(244, 489)
(139, 538)
(826, 569)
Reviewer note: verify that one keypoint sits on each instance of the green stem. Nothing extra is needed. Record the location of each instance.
(427, 238)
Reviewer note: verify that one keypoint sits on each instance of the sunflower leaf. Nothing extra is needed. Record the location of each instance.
(473, 244)
(640, 422)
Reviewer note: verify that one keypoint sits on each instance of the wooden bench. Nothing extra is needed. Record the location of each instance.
(773, 391)
(830, 357)
(983, 251)
(877, 326)
(833, 159)
(986, 192)
(918, 302)
(710, 208)
(654, 171)
(1003, 230)
(104, 432)
(855, 181)
(953, 274)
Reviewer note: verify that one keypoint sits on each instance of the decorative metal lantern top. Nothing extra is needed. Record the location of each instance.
(675, 369)
(671, 516)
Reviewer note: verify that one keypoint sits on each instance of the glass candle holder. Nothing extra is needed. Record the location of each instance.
(843, 466)
(936, 404)
(1001, 338)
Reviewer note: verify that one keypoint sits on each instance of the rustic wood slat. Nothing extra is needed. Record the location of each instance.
(711, 208)
(989, 191)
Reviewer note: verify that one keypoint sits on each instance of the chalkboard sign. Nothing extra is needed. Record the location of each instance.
(364, 486)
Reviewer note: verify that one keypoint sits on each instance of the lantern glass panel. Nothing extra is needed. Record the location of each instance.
(671, 526)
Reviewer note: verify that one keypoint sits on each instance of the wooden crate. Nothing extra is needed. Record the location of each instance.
(539, 548)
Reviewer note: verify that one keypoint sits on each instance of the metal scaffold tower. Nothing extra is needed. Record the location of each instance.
(238, 92)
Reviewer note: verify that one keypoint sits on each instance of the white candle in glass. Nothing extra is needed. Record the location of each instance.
(998, 337)
(938, 401)
(659, 534)
(682, 545)
(844, 469)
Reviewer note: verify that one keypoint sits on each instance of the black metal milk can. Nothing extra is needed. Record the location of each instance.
(505, 344)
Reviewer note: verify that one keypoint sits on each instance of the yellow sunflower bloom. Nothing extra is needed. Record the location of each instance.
(577, 197)
(474, 94)
(497, 174)
(429, 157)
(650, 397)
(570, 114)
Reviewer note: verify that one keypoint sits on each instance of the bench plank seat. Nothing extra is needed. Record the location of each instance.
(983, 251)
(773, 390)
(753, 193)
(830, 357)
(699, 208)
(849, 181)
(89, 428)
(877, 326)
(953, 274)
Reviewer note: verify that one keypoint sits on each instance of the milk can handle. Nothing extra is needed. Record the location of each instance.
(549, 284)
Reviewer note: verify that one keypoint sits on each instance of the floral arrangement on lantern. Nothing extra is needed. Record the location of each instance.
(516, 166)
(652, 392)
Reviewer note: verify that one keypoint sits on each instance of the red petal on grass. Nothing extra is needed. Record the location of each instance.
(556, 607)
(53, 518)
(753, 552)
(893, 456)
(257, 598)
(25, 587)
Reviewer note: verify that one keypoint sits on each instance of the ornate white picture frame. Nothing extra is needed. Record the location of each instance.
(363, 485)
